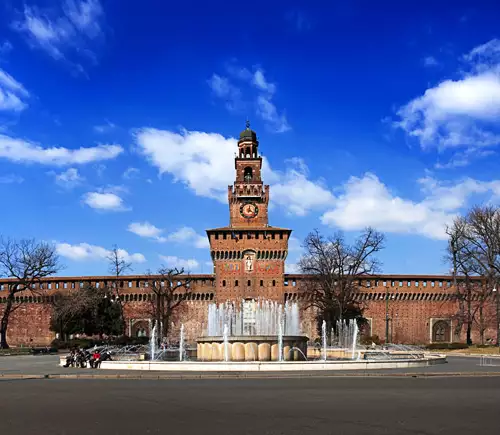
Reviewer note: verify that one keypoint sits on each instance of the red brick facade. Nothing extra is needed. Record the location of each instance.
(249, 262)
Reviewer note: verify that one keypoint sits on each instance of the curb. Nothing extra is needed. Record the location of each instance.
(247, 376)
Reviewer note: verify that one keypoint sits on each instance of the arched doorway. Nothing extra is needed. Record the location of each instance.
(441, 331)
(140, 329)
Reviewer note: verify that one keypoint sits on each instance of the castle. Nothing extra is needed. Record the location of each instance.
(249, 262)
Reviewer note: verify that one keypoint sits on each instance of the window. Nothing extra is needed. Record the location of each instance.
(392, 283)
(2, 286)
(57, 285)
(286, 283)
(416, 283)
(223, 283)
(49, 285)
(216, 236)
(65, 285)
(440, 283)
(248, 174)
(384, 283)
(274, 283)
(400, 283)
(432, 283)
(294, 283)
(368, 283)
(249, 283)
(72, 285)
(281, 236)
(424, 283)
(261, 282)
(408, 284)
(97, 284)
(236, 283)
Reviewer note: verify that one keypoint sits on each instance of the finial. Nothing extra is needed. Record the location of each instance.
(247, 124)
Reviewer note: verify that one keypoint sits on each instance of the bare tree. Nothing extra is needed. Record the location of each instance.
(337, 270)
(474, 253)
(118, 266)
(26, 262)
(170, 288)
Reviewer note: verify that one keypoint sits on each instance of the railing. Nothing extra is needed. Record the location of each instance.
(489, 361)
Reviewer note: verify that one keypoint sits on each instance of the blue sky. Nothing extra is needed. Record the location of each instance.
(118, 122)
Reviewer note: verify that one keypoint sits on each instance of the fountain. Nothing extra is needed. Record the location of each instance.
(262, 336)
(323, 340)
(257, 330)
(152, 343)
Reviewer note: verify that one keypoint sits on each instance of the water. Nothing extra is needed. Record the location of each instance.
(181, 343)
(255, 317)
(323, 339)
(152, 343)
(226, 343)
(346, 336)
(280, 337)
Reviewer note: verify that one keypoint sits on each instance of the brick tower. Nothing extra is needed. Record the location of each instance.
(248, 255)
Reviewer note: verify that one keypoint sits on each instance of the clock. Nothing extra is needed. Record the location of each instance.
(249, 210)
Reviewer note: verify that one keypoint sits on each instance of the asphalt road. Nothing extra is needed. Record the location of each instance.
(343, 406)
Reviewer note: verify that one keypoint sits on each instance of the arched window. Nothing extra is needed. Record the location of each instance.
(248, 174)
(441, 331)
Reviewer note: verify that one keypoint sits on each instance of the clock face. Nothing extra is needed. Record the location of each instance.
(249, 210)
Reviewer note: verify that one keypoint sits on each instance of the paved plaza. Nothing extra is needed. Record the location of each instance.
(49, 365)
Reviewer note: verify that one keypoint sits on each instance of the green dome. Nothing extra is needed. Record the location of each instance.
(248, 133)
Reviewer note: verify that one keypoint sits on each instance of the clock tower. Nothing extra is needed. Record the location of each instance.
(249, 254)
(248, 198)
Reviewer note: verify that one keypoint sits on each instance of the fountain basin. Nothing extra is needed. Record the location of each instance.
(252, 348)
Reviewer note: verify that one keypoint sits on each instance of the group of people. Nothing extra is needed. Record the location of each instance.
(82, 357)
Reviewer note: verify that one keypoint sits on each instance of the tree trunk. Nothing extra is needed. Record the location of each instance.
(5, 321)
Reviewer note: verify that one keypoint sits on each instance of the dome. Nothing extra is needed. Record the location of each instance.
(248, 134)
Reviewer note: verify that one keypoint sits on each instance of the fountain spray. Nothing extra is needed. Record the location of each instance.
(323, 338)
(226, 342)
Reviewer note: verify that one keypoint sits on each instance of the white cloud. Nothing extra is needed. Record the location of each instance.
(104, 128)
(223, 89)
(296, 193)
(264, 105)
(11, 179)
(367, 201)
(85, 251)
(12, 93)
(292, 268)
(104, 201)
(184, 235)
(131, 173)
(5, 47)
(57, 32)
(69, 178)
(462, 112)
(205, 163)
(430, 61)
(187, 235)
(180, 263)
(145, 229)
(22, 151)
